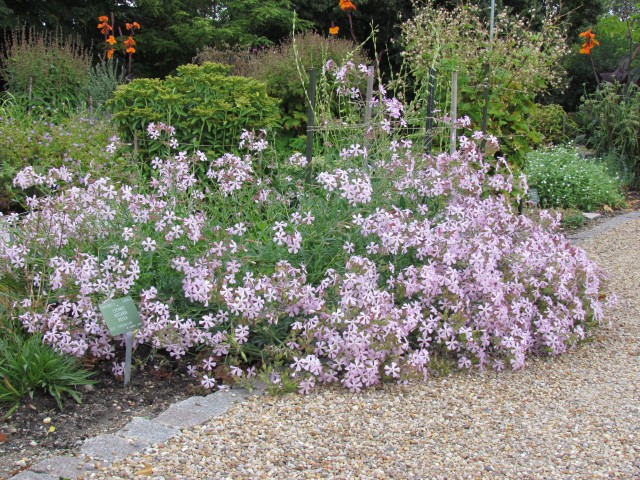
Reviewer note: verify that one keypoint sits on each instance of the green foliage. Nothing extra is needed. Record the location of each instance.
(522, 63)
(553, 124)
(610, 120)
(45, 71)
(104, 78)
(208, 107)
(565, 180)
(27, 366)
(29, 140)
(285, 69)
(572, 219)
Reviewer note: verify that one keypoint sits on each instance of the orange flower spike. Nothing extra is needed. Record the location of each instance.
(110, 53)
(347, 5)
(105, 28)
(111, 40)
(589, 41)
(334, 30)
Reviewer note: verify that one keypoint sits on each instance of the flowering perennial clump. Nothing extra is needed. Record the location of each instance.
(431, 263)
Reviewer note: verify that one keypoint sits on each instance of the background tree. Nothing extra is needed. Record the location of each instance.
(172, 30)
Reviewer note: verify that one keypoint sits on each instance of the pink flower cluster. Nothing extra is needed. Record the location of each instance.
(453, 273)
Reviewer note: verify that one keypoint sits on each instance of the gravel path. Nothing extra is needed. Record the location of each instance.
(572, 417)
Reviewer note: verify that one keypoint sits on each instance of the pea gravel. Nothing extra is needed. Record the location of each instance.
(571, 417)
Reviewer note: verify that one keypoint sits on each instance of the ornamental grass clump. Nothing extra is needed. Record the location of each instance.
(375, 269)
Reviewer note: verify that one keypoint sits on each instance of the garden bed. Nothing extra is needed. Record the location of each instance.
(106, 407)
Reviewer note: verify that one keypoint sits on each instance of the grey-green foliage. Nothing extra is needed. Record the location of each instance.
(564, 179)
(104, 78)
(610, 121)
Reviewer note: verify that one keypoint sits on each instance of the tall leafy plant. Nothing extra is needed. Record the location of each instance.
(522, 62)
(45, 71)
(610, 120)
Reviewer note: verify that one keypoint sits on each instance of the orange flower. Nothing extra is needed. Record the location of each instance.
(334, 30)
(110, 53)
(129, 43)
(111, 40)
(132, 26)
(346, 5)
(589, 41)
(105, 28)
(136, 25)
(130, 50)
(103, 19)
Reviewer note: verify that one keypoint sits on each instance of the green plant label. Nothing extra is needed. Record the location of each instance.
(121, 315)
(534, 196)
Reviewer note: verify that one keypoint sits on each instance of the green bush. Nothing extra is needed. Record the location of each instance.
(27, 140)
(45, 71)
(522, 63)
(565, 180)
(285, 69)
(207, 107)
(610, 121)
(554, 125)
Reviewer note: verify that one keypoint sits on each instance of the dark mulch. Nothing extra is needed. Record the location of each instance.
(106, 407)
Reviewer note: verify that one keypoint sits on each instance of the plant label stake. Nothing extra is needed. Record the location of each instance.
(121, 316)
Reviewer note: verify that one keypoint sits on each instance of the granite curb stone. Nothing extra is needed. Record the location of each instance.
(60, 466)
(138, 434)
(109, 447)
(147, 431)
(29, 475)
(604, 226)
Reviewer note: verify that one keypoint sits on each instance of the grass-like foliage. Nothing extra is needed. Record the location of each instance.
(564, 179)
(29, 366)
(47, 72)
(357, 268)
(285, 69)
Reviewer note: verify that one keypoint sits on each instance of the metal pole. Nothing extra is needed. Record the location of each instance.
(369, 94)
(430, 107)
(310, 122)
(128, 343)
(485, 110)
(492, 20)
(454, 110)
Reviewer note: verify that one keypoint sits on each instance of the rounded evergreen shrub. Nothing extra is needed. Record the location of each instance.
(207, 107)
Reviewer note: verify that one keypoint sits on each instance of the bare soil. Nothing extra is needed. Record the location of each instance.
(106, 407)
